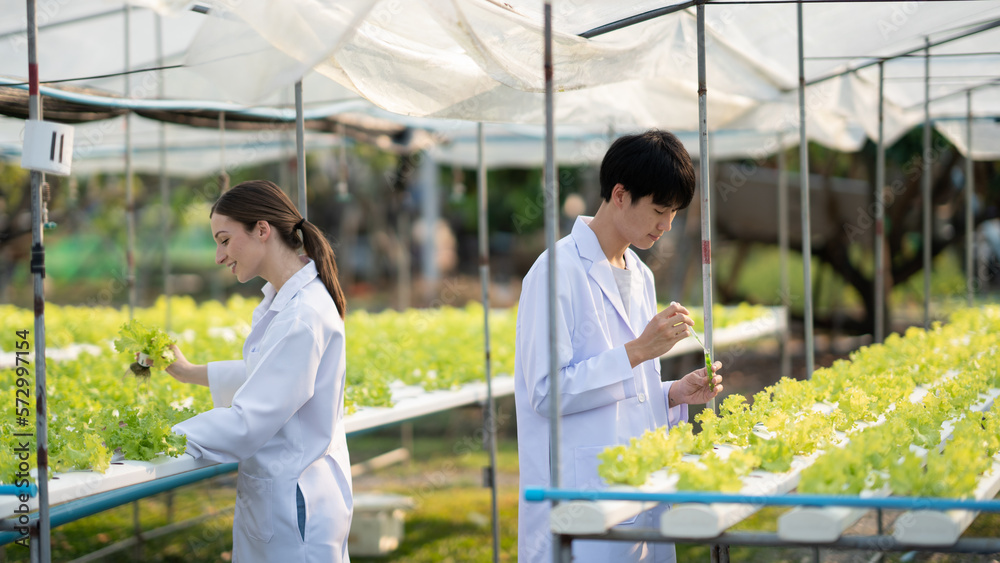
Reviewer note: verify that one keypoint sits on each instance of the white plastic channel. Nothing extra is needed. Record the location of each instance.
(412, 401)
(700, 521)
(942, 528)
(72, 485)
(827, 524)
(594, 517)
(773, 323)
(409, 402)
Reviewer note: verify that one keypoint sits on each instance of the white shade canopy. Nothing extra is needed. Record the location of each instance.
(480, 60)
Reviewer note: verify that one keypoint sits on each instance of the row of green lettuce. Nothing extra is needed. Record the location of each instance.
(97, 406)
(860, 417)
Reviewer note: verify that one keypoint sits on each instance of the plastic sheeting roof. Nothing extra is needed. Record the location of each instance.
(482, 60)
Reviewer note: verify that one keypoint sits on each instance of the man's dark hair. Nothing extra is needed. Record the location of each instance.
(651, 163)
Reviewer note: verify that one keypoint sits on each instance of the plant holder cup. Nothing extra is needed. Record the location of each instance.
(144, 360)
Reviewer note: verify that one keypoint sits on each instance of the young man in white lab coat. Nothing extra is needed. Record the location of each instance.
(610, 337)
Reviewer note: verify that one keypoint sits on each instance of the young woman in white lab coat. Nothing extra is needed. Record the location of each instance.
(279, 410)
(610, 338)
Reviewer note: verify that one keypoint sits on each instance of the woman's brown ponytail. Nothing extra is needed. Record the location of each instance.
(261, 200)
(320, 251)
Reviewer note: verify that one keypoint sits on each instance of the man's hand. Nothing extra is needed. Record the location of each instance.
(667, 328)
(693, 388)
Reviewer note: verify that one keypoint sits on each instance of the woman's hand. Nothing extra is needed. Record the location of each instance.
(184, 371)
(693, 388)
(181, 366)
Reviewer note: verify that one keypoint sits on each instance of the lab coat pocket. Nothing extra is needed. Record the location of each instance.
(253, 358)
(254, 496)
(585, 464)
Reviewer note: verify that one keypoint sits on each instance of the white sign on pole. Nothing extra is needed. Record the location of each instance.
(48, 147)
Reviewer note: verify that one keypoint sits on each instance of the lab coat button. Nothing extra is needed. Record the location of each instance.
(642, 397)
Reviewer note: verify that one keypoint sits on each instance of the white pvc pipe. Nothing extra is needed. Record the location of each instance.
(806, 228)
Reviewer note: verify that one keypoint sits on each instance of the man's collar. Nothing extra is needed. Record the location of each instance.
(599, 268)
(586, 240)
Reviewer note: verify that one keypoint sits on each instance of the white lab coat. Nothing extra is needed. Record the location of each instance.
(604, 401)
(278, 412)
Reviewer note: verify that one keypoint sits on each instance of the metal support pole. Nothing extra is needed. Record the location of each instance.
(223, 175)
(786, 298)
(806, 228)
(561, 550)
(342, 187)
(880, 213)
(881, 530)
(406, 437)
(926, 185)
(40, 534)
(970, 190)
(484, 275)
(706, 191)
(129, 193)
(300, 149)
(137, 548)
(164, 186)
(403, 256)
(288, 153)
(429, 182)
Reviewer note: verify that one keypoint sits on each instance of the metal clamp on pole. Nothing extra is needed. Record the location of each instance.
(38, 259)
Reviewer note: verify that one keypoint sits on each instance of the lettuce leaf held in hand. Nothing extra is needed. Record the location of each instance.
(135, 338)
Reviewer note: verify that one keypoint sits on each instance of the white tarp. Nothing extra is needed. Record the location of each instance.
(482, 60)
(985, 137)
